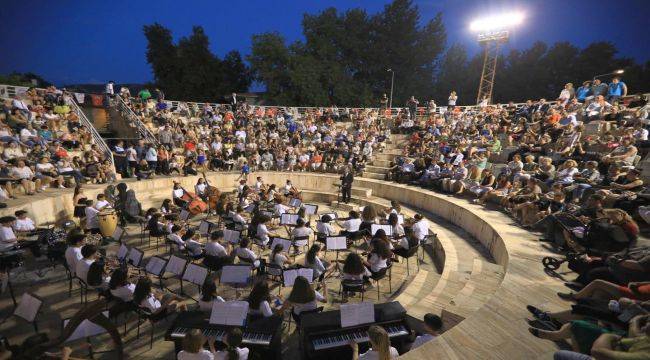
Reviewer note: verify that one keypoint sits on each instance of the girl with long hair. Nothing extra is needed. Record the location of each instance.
(259, 300)
(209, 294)
(380, 348)
(303, 298)
(232, 351)
(158, 304)
(313, 261)
(193, 347)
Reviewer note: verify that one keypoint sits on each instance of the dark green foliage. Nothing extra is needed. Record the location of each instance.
(189, 71)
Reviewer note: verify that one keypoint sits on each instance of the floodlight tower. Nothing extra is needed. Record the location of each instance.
(492, 32)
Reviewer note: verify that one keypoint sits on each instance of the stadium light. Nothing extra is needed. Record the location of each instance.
(497, 22)
(492, 31)
(615, 72)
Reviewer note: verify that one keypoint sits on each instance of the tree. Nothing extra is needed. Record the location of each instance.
(345, 55)
(189, 70)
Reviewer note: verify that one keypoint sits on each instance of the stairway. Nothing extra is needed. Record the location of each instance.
(380, 164)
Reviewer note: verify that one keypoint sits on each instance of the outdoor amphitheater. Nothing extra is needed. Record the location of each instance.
(139, 226)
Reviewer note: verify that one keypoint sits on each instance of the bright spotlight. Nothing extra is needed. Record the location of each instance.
(497, 22)
(619, 72)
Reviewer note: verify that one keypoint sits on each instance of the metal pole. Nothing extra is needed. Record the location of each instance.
(392, 80)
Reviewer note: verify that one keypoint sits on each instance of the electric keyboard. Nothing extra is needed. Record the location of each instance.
(261, 335)
(358, 336)
(323, 338)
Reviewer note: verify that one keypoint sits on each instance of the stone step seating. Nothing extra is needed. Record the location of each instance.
(469, 277)
(376, 169)
(372, 175)
(381, 163)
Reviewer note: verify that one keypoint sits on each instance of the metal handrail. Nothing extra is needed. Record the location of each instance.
(96, 137)
(134, 119)
(11, 91)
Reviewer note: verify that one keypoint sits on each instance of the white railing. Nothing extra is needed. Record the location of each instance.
(11, 91)
(130, 116)
(96, 138)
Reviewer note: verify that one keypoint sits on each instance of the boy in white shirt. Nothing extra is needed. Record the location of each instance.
(92, 221)
(23, 223)
(432, 326)
(73, 252)
(89, 253)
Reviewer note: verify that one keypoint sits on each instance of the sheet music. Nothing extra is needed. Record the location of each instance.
(185, 215)
(117, 234)
(310, 209)
(289, 219)
(286, 243)
(122, 252)
(267, 213)
(175, 265)
(229, 313)
(295, 203)
(290, 276)
(336, 243)
(204, 227)
(387, 229)
(235, 274)
(195, 274)
(135, 256)
(357, 314)
(231, 236)
(250, 208)
(28, 307)
(332, 216)
(85, 329)
(155, 265)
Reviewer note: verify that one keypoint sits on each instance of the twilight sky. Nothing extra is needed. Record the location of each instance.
(95, 41)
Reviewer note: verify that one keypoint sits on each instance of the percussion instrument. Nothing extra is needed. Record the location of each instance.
(107, 221)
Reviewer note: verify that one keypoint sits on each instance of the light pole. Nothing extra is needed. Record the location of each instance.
(492, 32)
(615, 72)
(392, 80)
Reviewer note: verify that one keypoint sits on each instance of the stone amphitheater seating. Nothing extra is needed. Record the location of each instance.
(489, 268)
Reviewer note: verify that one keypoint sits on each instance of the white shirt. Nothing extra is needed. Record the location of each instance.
(92, 222)
(352, 225)
(203, 354)
(72, 256)
(7, 237)
(298, 308)
(82, 268)
(421, 229)
(245, 253)
(263, 233)
(223, 355)
(325, 228)
(213, 248)
(25, 224)
(124, 293)
(151, 303)
(102, 204)
(264, 309)
(177, 193)
(420, 340)
(376, 262)
(373, 355)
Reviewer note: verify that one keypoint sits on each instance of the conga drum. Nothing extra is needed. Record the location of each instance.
(107, 221)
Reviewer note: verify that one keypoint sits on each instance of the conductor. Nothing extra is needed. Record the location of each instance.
(346, 184)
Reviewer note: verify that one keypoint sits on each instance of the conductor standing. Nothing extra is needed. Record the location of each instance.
(346, 184)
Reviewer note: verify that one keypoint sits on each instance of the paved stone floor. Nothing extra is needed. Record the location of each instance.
(53, 288)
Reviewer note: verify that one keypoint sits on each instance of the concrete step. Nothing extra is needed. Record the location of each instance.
(384, 156)
(361, 192)
(377, 169)
(371, 175)
(381, 163)
(343, 206)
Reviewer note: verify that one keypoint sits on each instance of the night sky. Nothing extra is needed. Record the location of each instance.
(70, 42)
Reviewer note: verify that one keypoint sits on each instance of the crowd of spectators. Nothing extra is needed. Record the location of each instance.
(43, 144)
(569, 169)
(247, 138)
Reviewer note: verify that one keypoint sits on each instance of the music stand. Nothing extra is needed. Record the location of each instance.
(194, 274)
(336, 243)
(176, 266)
(205, 227)
(118, 233)
(86, 330)
(235, 276)
(28, 308)
(156, 266)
